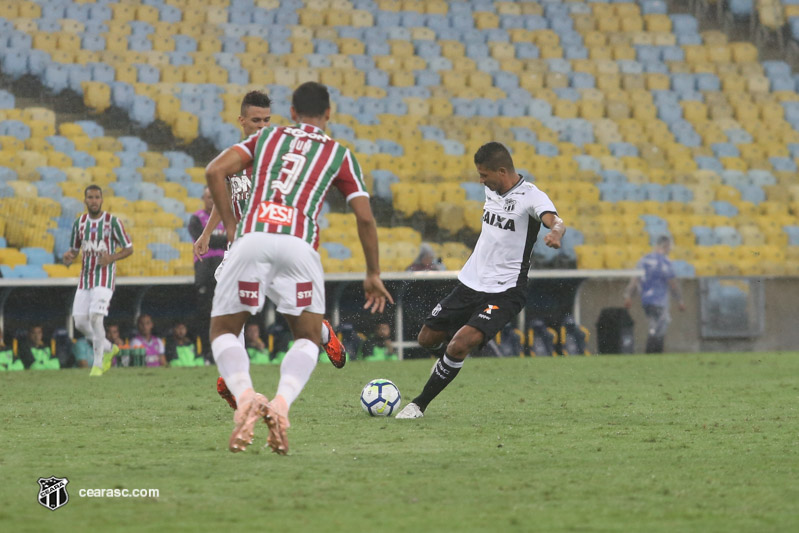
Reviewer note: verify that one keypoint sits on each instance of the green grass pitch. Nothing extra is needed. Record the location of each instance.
(701, 442)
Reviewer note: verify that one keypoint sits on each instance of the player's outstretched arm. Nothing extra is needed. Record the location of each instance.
(556, 229)
(225, 164)
(202, 242)
(374, 290)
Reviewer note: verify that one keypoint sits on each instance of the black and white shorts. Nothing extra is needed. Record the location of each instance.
(485, 311)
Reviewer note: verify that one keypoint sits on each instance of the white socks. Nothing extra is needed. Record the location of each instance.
(233, 363)
(325, 334)
(92, 328)
(296, 369)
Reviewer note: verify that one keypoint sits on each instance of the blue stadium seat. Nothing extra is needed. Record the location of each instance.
(122, 94)
(141, 28)
(623, 149)
(7, 174)
(37, 256)
(76, 74)
(724, 208)
(752, 193)
(761, 178)
(29, 272)
(15, 128)
(727, 235)
(706, 81)
(390, 147)
(382, 183)
(366, 147)
(51, 174)
(172, 205)
(179, 159)
(738, 136)
(56, 77)
(679, 193)
(630, 66)
(142, 110)
(163, 251)
(47, 189)
(709, 163)
(128, 191)
(704, 236)
(139, 43)
(102, 72)
(683, 269)
(336, 250)
(682, 23)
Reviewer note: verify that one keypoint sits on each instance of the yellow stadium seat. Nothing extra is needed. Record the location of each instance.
(96, 95)
(550, 51)
(757, 84)
(657, 82)
(484, 20)
(361, 18)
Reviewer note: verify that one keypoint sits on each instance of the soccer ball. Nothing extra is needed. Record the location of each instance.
(380, 397)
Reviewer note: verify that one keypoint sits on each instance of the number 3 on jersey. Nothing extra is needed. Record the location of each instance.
(293, 165)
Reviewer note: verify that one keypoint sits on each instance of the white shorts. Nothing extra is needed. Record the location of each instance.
(90, 301)
(283, 268)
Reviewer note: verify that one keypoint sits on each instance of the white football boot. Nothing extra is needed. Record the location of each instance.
(410, 411)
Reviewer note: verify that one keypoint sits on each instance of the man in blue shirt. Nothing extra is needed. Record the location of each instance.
(654, 286)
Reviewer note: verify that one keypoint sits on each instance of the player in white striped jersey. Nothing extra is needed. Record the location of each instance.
(492, 285)
(274, 253)
(103, 240)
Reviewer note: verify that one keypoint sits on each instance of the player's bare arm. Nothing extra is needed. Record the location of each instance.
(225, 164)
(556, 229)
(376, 293)
(106, 258)
(676, 291)
(201, 244)
(630, 290)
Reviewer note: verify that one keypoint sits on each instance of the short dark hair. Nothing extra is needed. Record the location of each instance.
(492, 156)
(255, 99)
(663, 240)
(311, 99)
(92, 187)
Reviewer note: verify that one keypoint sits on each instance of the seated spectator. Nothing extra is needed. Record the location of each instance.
(61, 344)
(180, 350)
(8, 361)
(35, 354)
(82, 352)
(378, 345)
(146, 346)
(114, 337)
(426, 260)
(256, 347)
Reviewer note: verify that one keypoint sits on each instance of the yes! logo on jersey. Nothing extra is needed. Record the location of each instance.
(248, 292)
(304, 293)
(272, 213)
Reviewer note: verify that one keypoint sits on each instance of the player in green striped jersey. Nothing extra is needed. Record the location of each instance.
(103, 240)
